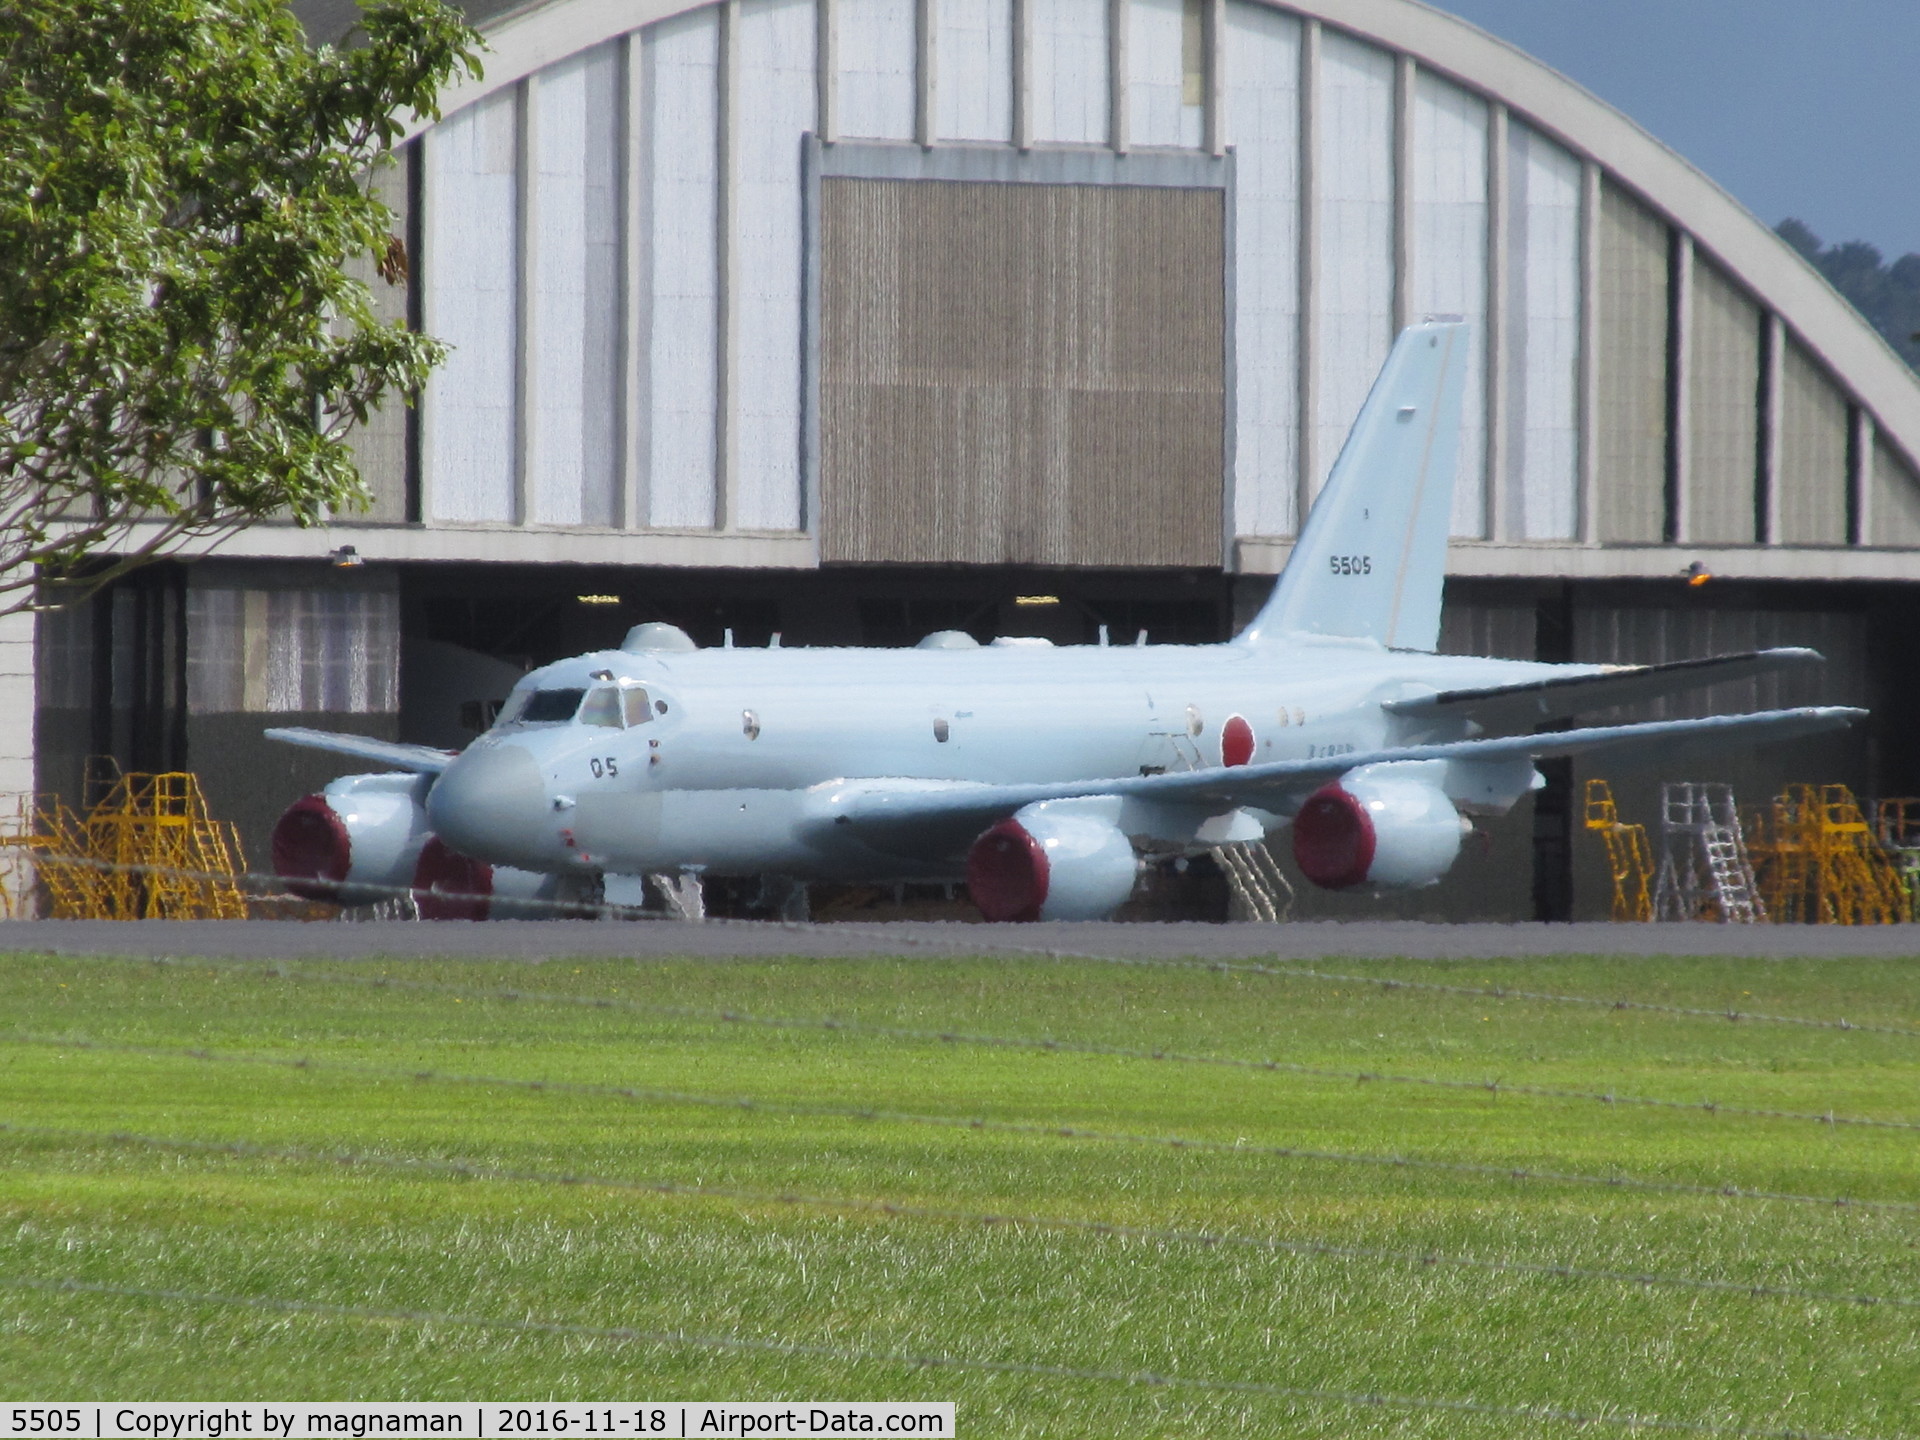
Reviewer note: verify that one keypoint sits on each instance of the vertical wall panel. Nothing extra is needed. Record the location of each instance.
(380, 446)
(1630, 432)
(1895, 508)
(471, 269)
(1811, 486)
(1449, 222)
(1263, 120)
(576, 291)
(1543, 337)
(1069, 71)
(1356, 234)
(876, 45)
(681, 85)
(973, 94)
(1165, 96)
(1723, 383)
(775, 105)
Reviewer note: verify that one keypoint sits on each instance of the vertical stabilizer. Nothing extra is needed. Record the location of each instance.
(1372, 556)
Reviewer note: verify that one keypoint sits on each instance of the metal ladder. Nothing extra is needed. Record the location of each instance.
(1256, 879)
(1703, 856)
(1260, 887)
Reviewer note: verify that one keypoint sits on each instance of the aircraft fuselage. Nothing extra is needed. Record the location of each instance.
(731, 762)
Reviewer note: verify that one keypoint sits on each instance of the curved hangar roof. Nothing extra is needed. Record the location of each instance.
(692, 304)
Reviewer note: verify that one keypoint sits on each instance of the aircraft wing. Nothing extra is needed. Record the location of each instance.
(420, 759)
(919, 817)
(1531, 702)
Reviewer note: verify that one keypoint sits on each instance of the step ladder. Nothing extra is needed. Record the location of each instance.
(1703, 857)
(1260, 888)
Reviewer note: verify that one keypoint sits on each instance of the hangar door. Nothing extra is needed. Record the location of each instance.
(1021, 374)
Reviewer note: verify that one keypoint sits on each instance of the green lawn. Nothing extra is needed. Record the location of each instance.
(485, 1180)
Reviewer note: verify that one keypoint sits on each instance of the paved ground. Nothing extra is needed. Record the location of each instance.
(1305, 940)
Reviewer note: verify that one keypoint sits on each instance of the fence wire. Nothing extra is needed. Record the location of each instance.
(1048, 1045)
(1287, 970)
(668, 1339)
(1048, 1130)
(980, 944)
(908, 1210)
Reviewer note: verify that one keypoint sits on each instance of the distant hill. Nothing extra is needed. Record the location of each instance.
(1887, 295)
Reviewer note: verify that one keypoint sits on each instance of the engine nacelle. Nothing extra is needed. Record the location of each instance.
(368, 829)
(1371, 827)
(365, 838)
(1057, 860)
(450, 886)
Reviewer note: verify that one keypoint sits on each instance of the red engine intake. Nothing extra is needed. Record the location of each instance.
(312, 850)
(1007, 873)
(450, 886)
(1333, 839)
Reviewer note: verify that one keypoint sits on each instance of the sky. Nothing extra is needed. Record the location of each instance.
(1809, 108)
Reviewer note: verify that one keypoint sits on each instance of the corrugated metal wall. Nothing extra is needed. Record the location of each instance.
(616, 247)
(1449, 253)
(472, 289)
(680, 166)
(1263, 116)
(380, 446)
(1356, 182)
(1021, 374)
(1895, 499)
(1812, 481)
(1630, 431)
(1543, 337)
(1723, 410)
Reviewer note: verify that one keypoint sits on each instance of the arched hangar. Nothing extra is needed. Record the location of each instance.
(855, 319)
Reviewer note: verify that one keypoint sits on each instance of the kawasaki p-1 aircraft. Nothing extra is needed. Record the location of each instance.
(1044, 778)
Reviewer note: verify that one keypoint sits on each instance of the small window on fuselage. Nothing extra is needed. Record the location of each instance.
(639, 708)
(549, 706)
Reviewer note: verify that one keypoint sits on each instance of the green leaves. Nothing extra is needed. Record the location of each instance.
(183, 348)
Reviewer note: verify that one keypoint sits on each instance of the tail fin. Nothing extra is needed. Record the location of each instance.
(1373, 553)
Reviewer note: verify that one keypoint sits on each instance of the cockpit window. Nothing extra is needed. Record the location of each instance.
(551, 705)
(602, 707)
(639, 709)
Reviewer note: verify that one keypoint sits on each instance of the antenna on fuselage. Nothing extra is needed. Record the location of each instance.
(726, 642)
(1103, 637)
(1141, 638)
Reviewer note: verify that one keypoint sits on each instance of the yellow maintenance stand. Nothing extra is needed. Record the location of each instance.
(148, 851)
(1629, 857)
(1819, 861)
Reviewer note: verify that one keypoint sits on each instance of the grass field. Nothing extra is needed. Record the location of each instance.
(484, 1180)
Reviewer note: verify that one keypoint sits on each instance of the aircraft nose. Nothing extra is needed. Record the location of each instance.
(491, 804)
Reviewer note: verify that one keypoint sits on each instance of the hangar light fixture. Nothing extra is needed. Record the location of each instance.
(1036, 599)
(598, 599)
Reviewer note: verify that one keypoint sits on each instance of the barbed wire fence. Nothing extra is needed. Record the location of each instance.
(1039, 1129)
(1051, 1045)
(887, 1208)
(669, 1339)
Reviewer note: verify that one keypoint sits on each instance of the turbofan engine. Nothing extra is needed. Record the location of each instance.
(365, 838)
(1372, 827)
(357, 841)
(1057, 860)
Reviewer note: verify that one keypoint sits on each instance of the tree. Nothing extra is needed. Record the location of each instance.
(1887, 295)
(182, 347)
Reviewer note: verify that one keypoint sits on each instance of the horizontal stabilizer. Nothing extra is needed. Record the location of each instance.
(420, 759)
(1530, 702)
